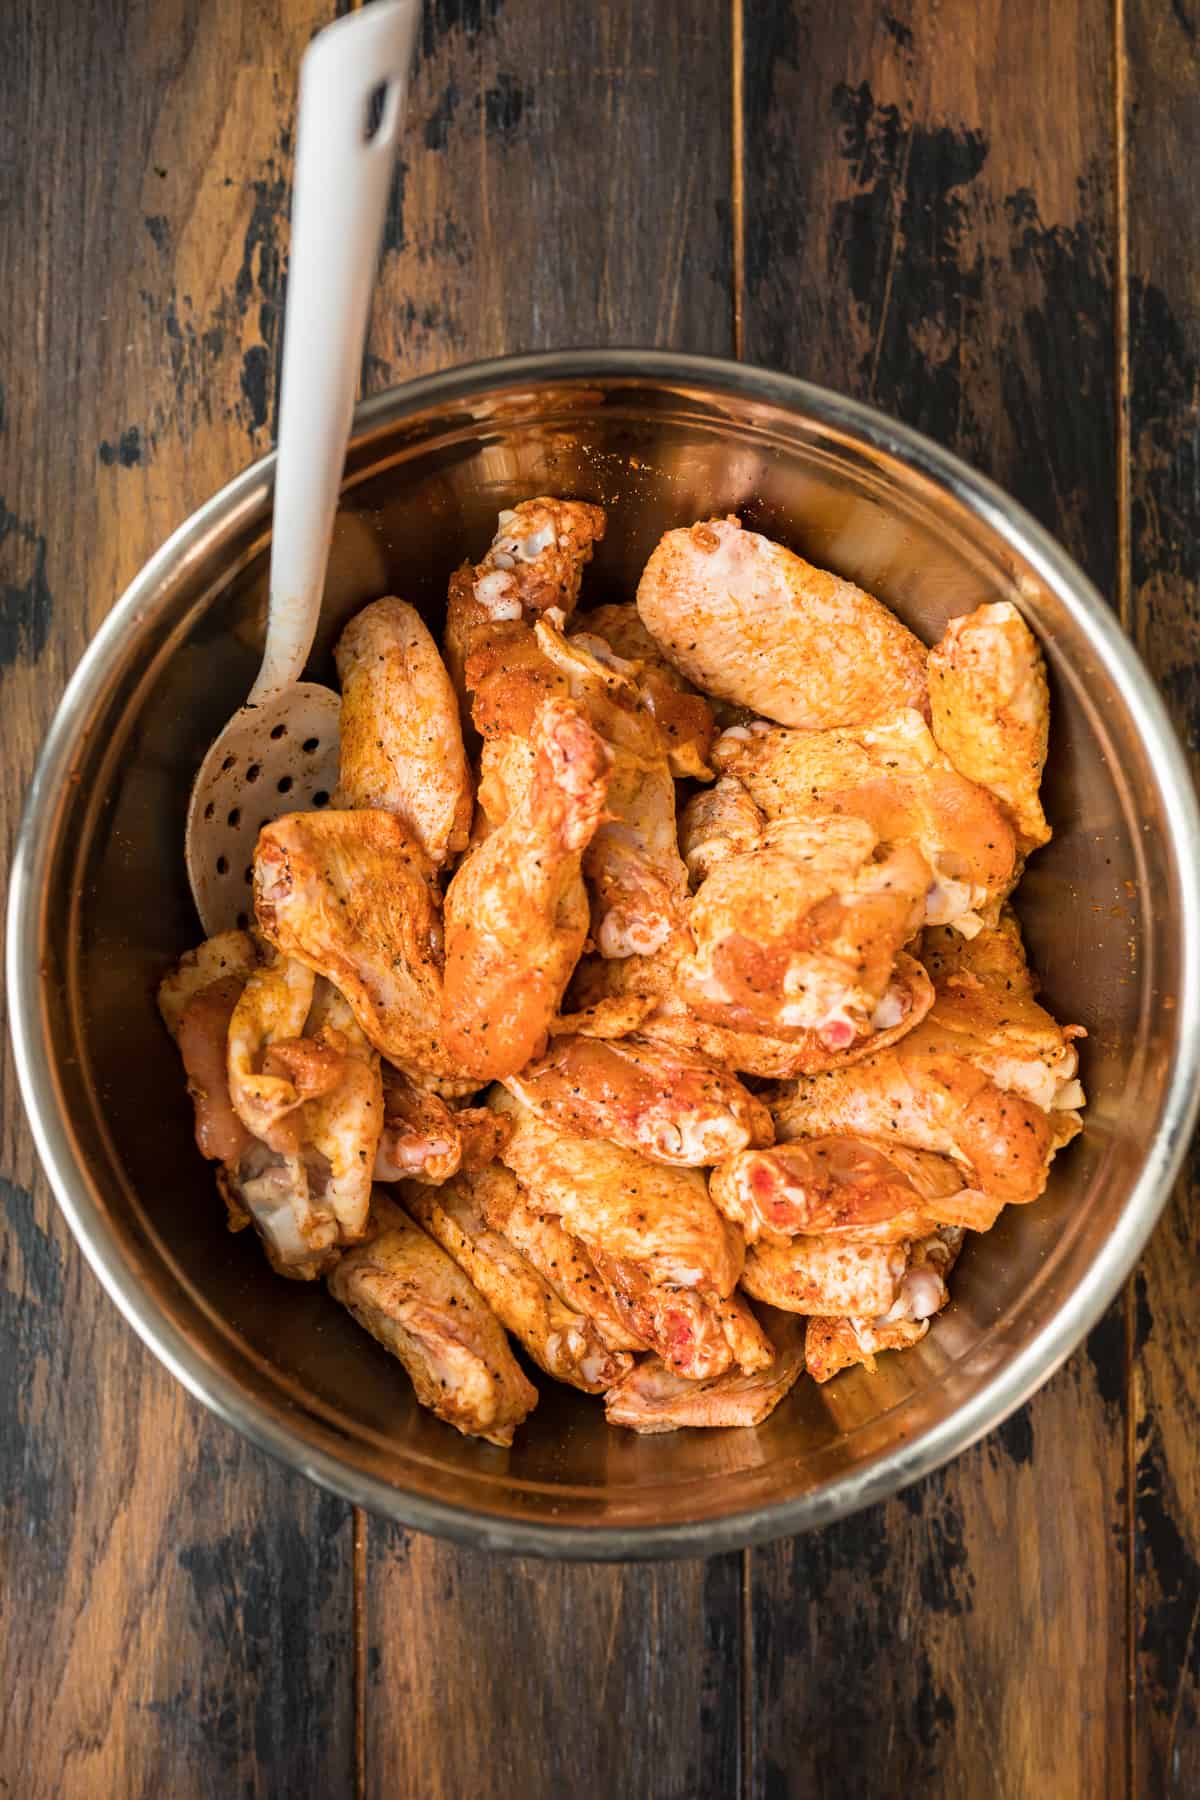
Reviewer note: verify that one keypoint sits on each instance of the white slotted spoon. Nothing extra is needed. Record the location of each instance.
(279, 752)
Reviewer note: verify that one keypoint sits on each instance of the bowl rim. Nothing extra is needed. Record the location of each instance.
(1018, 1377)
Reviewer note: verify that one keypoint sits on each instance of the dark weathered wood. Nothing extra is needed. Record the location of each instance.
(566, 182)
(1163, 221)
(929, 207)
(176, 1614)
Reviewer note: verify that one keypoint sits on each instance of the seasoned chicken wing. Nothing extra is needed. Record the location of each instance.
(748, 621)
(271, 1009)
(834, 1344)
(825, 1275)
(554, 1253)
(401, 738)
(682, 715)
(229, 955)
(644, 1096)
(617, 1201)
(986, 1006)
(634, 870)
(416, 1301)
(696, 1334)
(516, 911)
(893, 776)
(991, 711)
(654, 1398)
(197, 1000)
(802, 933)
(350, 895)
(671, 1021)
(562, 1341)
(424, 1139)
(923, 1092)
(846, 1187)
(717, 823)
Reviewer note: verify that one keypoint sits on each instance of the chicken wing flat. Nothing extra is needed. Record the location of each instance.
(272, 1008)
(415, 1300)
(401, 737)
(835, 1344)
(350, 895)
(635, 873)
(991, 711)
(654, 1398)
(616, 1201)
(197, 1002)
(562, 1341)
(682, 715)
(893, 776)
(231, 954)
(695, 1334)
(848, 1188)
(802, 933)
(748, 621)
(986, 1004)
(555, 1254)
(601, 989)
(516, 914)
(424, 1139)
(826, 1276)
(645, 1097)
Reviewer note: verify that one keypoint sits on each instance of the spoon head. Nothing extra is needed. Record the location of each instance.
(280, 756)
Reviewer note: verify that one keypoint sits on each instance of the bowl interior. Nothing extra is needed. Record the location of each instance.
(1100, 907)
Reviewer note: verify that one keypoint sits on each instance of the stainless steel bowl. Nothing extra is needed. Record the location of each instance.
(100, 907)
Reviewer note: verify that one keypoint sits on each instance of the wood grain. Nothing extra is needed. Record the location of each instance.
(928, 206)
(176, 1613)
(565, 182)
(1163, 117)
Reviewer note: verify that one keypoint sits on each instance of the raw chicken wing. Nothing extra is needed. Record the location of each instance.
(835, 1344)
(653, 1398)
(991, 711)
(617, 1201)
(748, 621)
(682, 715)
(695, 1334)
(825, 1275)
(563, 1342)
(516, 910)
(893, 776)
(643, 1096)
(401, 738)
(424, 1139)
(848, 1188)
(351, 896)
(554, 1253)
(416, 1301)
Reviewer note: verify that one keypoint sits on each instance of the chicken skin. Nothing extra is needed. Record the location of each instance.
(893, 776)
(401, 738)
(670, 1021)
(835, 1344)
(424, 1139)
(653, 1398)
(350, 895)
(991, 711)
(565, 1343)
(848, 1188)
(825, 1275)
(516, 915)
(718, 822)
(635, 874)
(645, 1097)
(618, 1202)
(415, 1301)
(682, 715)
(272, 1008)
(555, 1254)
(695, 1334)
(748, 621)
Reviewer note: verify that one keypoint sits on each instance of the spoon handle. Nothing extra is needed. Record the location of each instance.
(353, 88)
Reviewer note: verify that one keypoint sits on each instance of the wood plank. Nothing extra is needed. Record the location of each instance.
(928, 205)
(565, 181)
(178, 1610)
(1163, 119)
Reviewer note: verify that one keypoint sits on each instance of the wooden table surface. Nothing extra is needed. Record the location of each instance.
(982, 215)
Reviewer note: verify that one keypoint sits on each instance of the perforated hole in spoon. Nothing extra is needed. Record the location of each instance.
(275, 758)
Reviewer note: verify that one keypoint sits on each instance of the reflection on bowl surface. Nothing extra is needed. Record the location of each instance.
(101, 908)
